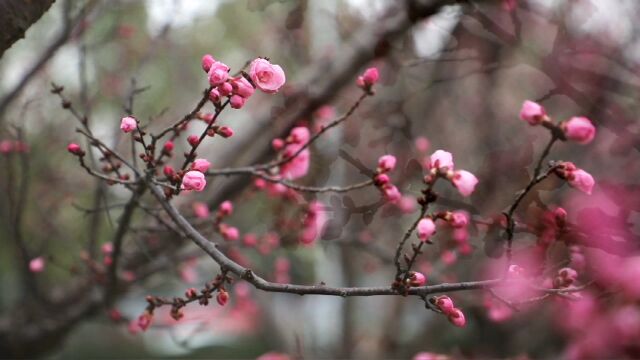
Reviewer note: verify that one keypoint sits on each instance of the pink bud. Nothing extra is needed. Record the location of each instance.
(115, 315)
(242, 87)
(222, 298)
(218, 73)
(128, 124)
(426, 228)
(201, 165)
(107, 248)
(369, 77)
(386, 163)
(465, 182)
(193, 180)
(381, 179)
(75, 149)
(168, 146)
(144, 320)
(194, 140)
(207, 61)
(456, 317)
(214, 95)
(277, 144)
(299, 135)
(209, 118)
(36, 265)
(168, 171)
(225, 132)
(225, 208)
(560, 216)
(266, 76)
(459, 219)
(391, 192)
(236, 101)
(417, 279)
(229, 233)
(581, 180)
(441, 160)
(6, 146)
(579, 129)
(445, 304)
(250, 240)
(422, 144)
(201, 210)
(191, 293)
(532, 112)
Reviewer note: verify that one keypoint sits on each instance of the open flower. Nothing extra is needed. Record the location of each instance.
(266, 76)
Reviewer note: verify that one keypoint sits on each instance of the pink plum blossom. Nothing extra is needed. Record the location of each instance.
(456, 317)
(201, 165)
(36, 265)
(441, 159)
(465, 182)
(218, 73)
(128, 124)
(201, 210)
(426, 228)
(581, 180)
(386, 163)
(369, 78)
(532, 112)
(266, 76)
(193, 180)
(207, 61)
(579, 129)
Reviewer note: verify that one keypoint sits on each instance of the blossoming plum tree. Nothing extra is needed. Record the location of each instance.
(423, 196)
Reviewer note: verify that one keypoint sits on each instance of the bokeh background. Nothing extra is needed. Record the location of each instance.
(457, 79)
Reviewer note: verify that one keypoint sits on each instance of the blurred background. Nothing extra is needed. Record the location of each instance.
(453, 81)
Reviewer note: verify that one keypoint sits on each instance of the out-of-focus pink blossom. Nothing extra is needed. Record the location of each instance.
(266, 76)
(36, 265)
(459, 219)
(391, 192)
(6, 146)
(229, 233)
(73, 148)
(422, 144)
(299, 135)
(128, 124)
(407, 204)
(201, 210)
(272, 355)
(225, 208)
(465, 182)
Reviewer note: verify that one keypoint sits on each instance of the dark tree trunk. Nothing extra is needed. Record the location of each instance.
(16, 16)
